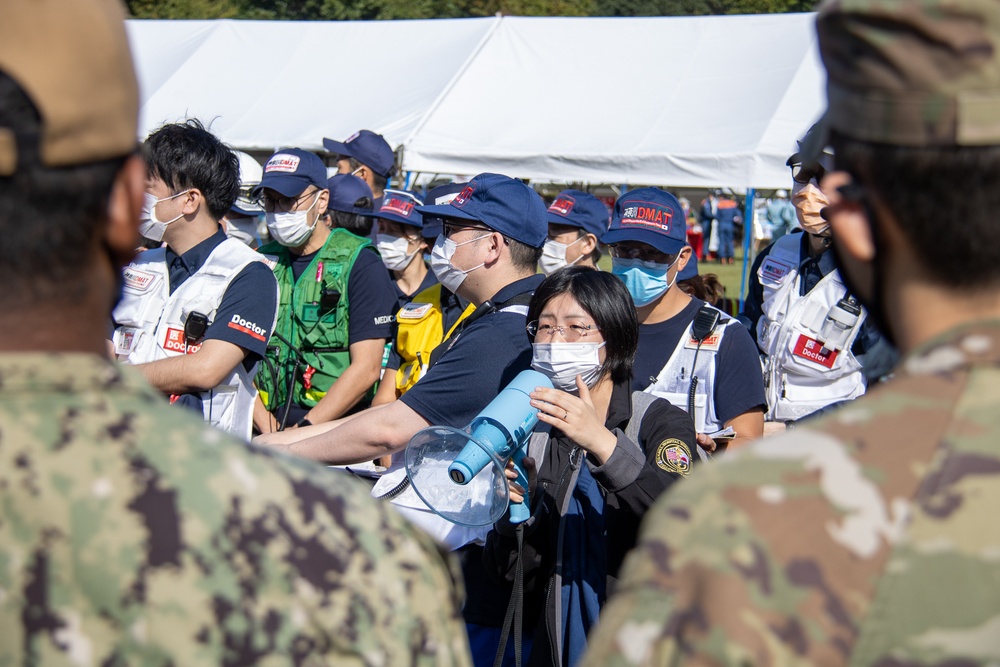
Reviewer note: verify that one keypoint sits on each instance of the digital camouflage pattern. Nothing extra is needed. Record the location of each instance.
(869, 537)
(912, 72)
(133, 534)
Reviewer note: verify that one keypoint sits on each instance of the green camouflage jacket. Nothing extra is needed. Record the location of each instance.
(133, 534)
(869, 537)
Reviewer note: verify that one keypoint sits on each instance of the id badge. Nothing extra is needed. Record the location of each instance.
(125, 339)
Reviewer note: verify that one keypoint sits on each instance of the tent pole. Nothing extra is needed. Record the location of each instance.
(747, 235)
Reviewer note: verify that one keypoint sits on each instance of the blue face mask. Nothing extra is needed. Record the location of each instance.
(645, 281)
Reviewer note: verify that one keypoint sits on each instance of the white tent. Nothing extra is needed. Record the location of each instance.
(699, 101)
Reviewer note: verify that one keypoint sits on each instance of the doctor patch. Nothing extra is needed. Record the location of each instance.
(674, 456)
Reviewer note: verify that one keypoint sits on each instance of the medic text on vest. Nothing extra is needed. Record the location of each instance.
(645, 214)
(248, 328)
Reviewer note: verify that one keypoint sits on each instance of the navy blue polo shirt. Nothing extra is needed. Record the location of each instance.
(739, 382)
(252, 296)
(485, 357)
(371, 299)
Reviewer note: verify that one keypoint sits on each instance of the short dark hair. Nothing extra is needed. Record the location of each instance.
(50, 217)
(522, 255)
(378, 180)
(354, 222)
(945, 198)
(186, 155)
(605, 298)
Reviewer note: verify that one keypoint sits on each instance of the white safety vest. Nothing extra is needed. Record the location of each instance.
(804, 372)
(674, 381)
(150, 324)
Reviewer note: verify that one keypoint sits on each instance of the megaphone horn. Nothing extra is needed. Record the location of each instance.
(459, 473)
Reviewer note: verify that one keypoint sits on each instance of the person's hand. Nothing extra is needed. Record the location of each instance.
(575, 416)
(516, 490)
(706, 442)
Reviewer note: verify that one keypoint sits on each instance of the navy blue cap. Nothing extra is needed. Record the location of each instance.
(503, 204)
(400, 206)
(651, 216)
(290, 171)
(691, 270)
(580, 209)
(436, 196)
(345, 190)
(368, 148)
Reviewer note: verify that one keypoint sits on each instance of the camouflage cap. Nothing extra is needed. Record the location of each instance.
(72, 59)
(913, 72)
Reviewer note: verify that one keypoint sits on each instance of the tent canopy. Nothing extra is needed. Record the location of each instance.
(690, 101)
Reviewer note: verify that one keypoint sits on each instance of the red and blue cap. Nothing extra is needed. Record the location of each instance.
(436, 196)
(345, 191)
(400, 206)
(576, 208)
(503, 204)
(368, 148)
(651, 216)
(290, 171)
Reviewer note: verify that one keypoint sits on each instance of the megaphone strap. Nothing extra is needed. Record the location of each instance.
(515, 608)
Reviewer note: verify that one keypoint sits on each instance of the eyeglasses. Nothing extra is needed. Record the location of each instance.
(570, 334)
(449, 228)
(804, 173)
(642, 252)
(283, 204)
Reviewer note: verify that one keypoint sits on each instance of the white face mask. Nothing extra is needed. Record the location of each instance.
(562, 362)
(554, 256)
(243, 230)
(291, 229)
(393, 250)
(149, 226)
(444, 249)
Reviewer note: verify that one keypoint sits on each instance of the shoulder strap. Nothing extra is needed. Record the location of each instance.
(640, 403)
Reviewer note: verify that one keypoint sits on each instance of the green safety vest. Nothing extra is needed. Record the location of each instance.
(307, 319)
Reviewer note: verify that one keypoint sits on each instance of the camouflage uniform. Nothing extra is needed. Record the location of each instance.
(132, 534)
(828, 546)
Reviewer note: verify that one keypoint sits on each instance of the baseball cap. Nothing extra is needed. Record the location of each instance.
(503, 204)
(345, 190)
(690, 270)
(651, 216)
(436, 196)
(399, 206)
(72, 59)
(579, 209)
(250, 174)
(911, 73)
(291, 170)
(366, 147)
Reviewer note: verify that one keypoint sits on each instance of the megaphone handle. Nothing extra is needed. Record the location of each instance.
(519, 512)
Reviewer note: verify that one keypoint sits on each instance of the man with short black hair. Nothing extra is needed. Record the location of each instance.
(131, 532)
(868, 536)
(369, 157)
(196, 314)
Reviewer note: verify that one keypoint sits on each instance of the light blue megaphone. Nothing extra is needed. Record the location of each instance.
(459, 473)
